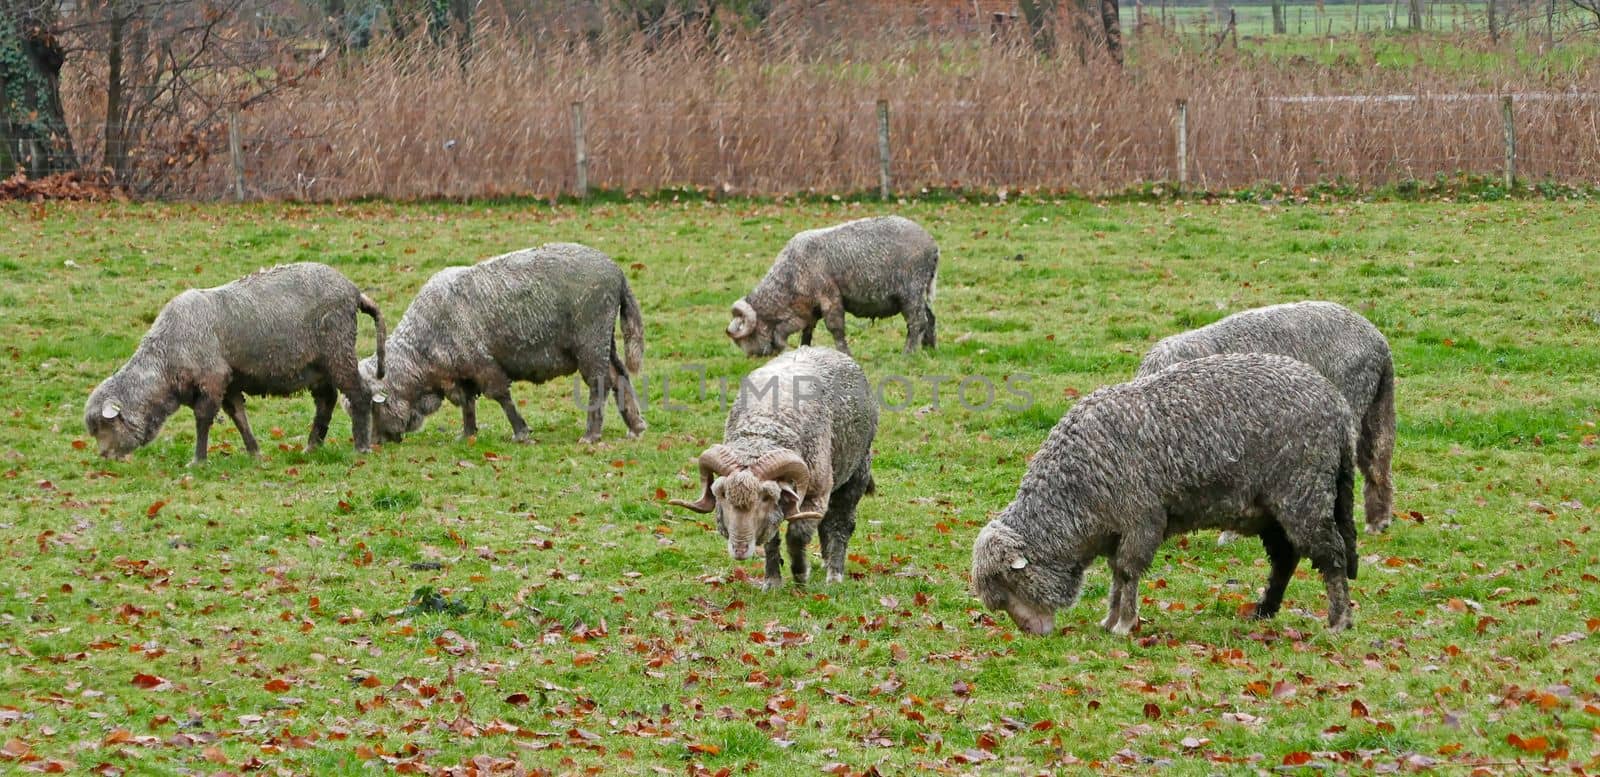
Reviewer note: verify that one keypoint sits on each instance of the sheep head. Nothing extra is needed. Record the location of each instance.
(1029, 590)
(751, 502)
(755, 336)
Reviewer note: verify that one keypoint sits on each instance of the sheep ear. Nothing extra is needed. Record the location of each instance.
(110, 411)
(380, 398)
(1019, 563)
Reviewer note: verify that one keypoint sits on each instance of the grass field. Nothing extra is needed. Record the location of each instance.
(444, 603)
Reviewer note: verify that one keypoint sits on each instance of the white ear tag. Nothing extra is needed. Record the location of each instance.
(380, 398)
(110, 411)
(1019, 563)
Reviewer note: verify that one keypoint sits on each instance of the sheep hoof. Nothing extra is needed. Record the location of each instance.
(772, 584)
(634, 434)
(1123, 628)
(1226, 537)
(589, 439)
(1377, 527)
(523, 440)
(835, 577)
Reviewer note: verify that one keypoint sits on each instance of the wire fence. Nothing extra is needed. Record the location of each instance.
(1362, 141)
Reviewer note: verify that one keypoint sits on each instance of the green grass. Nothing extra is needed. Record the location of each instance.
(441, 600)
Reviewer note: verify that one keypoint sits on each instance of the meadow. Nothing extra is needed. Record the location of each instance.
(466, 606)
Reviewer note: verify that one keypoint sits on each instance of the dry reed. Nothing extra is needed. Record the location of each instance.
(760, 116)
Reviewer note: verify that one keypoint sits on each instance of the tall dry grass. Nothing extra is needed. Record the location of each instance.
(764, 116)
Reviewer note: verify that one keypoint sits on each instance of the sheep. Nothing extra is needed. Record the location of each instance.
(1346, 348)
(274, 332)
(1257, 443)
(798, 447)
(534, 315)
(872, 268)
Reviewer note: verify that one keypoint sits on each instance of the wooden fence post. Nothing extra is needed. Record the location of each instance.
(236, 154)
(1510, 129)
(581, 148)
(1183, 144)
(883, 149)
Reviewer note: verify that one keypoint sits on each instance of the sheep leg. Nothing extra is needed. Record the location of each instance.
(325, 396)
(595, 368)
(839, 519)
(1284, 558)
(805, 334)
(1373, 458)
(1132, 557)
(1112, 600)
(833, 317)
(1333, 578)
(344, 377)
(919, 324)
(797, 536)
(774, 578)
(469, 415)
(205, 411)
(627, 399)
(233, 404)
(928, 336)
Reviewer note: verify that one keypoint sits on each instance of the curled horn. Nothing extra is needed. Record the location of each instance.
(787, 467)
(744, 320)
(715, 461)
(783, 466)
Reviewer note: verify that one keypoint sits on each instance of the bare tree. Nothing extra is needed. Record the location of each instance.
(1041, 17)
(1591, 7)
(34, 121)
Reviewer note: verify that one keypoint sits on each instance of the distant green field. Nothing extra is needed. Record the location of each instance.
(472, 604)
(1307, 19)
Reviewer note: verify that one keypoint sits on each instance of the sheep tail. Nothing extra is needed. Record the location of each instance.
(1344, 507)
(367, 306)
(632, 330)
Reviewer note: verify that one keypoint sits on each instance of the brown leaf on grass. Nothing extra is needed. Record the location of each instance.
(1258, 688)
(584, 659)
(79, 445)
(276, 685)
(1152, 710)
(704, 748)
(1358, 708)
(961, 688)
(1283, 689)
(1529, 745)
(16, 750)
(517, 699)
(661, 495)
(214, 754)
(1297, 758)
(151, 682)
(155, 507)
(987, 742)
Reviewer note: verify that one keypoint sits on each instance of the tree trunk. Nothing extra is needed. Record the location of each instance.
(1113, 29)
(1416, 14)
(116, 135)
(34, 121)
(461, 10)
(1041, 17)
(1494, 24)
(1280, 26)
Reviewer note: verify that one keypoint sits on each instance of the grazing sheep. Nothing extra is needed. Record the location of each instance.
(533, 315)
(797, 447)
(274, 332)
(872, 268)
(1256, 443)
(1346, 348)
